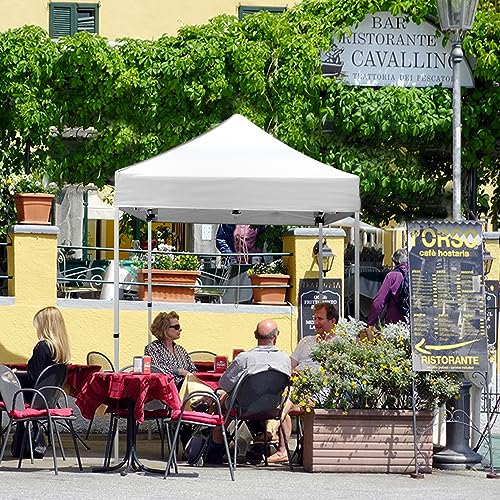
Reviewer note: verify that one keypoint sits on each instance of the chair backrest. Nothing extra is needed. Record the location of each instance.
(100, 359)
(55, 376)
(208, 356)
(259, 396)
(9, 385)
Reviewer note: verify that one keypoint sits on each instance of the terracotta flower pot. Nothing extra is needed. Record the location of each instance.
(366, 441)
(269, 295)
(168, 293)
(33, 208)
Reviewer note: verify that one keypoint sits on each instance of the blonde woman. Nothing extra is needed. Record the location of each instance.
(165, 352)
(53, 344)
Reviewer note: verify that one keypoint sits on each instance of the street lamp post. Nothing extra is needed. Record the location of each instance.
(456, 17)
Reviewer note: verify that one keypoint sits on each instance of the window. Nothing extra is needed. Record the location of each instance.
(245, 11)
(70, 18)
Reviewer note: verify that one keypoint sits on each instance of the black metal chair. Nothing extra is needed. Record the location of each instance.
(258, 397)
(43, 409)
(100, 359)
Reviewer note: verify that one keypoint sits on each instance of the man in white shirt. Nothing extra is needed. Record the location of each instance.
(326, 316)
(261, 358)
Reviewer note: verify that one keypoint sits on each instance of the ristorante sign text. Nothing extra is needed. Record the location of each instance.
(386, 50)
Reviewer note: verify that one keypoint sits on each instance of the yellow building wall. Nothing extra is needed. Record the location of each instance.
(215, 327)
(147, 19)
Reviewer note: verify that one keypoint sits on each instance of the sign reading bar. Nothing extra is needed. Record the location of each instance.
(386, 50)
(309, 297)
(448, 328)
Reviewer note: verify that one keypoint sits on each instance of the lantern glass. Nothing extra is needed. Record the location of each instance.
(456, 15)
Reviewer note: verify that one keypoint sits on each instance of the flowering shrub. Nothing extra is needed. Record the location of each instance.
(275, 267)
(371, 374)
(29, 183)
(165, 261)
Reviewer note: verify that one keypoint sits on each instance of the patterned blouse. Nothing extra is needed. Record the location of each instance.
(167, 361)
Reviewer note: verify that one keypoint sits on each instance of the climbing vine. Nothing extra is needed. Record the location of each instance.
(135, 99)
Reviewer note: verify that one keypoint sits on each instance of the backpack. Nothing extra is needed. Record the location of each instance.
(404, 293)
(196, 449)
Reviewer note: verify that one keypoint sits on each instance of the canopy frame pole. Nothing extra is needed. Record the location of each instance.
(356, 265)
(116, 308)
(319, 220)
(150, 218)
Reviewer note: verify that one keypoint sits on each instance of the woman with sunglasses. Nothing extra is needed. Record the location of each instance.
(165, 352)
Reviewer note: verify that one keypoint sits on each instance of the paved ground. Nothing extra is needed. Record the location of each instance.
(256, 482)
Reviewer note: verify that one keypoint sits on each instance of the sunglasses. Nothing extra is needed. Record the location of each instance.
(175, 327)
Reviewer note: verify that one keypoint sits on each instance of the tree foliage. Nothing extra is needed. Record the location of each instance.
(145, 97)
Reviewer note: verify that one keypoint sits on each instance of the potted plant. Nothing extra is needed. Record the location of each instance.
(358, 406)
(169, 269)
(269, 274)
(33, 196)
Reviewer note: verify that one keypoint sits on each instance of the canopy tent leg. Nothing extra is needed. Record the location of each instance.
(116, 308)
(356, 265)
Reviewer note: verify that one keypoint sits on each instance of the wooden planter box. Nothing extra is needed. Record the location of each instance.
(33, 208)
(269, 295)
(168, 293)
(366, 441)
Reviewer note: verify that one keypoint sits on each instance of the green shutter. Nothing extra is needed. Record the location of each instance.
(61, 17)
(245, 11)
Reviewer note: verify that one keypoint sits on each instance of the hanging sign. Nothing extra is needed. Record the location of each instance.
(309, 297)
(448, 328)
(386, 50)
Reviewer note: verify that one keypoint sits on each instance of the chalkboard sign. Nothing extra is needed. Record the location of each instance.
(309, 297)
(491, 296)
(448, 327)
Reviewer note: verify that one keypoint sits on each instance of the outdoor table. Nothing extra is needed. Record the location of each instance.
(133, 389)
(210, 378)
(76, 375)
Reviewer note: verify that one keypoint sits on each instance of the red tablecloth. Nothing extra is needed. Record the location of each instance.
(76, 375)
(110, 388)
(204, 365)
(210, 378)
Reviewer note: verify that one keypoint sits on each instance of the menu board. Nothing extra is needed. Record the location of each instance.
(448, 313)
(309, 297)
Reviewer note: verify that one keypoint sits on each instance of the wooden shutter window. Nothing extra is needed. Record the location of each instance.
(60, 20)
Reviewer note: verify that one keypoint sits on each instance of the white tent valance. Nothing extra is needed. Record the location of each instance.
(236, 173)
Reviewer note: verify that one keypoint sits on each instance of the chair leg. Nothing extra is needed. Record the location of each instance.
(168, 432)
(75, 443)
(162, 439)
(51, 433)
(231, 467)
(113, 422)
(172, 450)
(88, 428)
(59, 442)
(6, 438)
(285, 440)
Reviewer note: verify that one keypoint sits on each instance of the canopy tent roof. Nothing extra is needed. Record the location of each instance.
(236, 173)
(350, 222)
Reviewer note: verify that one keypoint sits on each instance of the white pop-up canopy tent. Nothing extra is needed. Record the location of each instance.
(235, 173)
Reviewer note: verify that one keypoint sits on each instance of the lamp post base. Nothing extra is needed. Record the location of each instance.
(458, 455)
(449, 459)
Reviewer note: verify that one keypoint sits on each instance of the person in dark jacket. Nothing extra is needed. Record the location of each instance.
(52, 346)
(389, 293)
